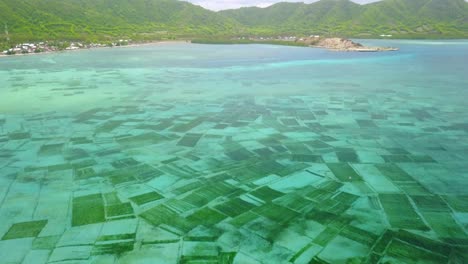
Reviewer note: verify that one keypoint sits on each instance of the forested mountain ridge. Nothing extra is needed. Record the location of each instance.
(400, 18)
(152, 19)
(100, 19)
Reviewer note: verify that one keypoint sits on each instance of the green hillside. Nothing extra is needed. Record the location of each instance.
(108, 19)
(401, 18)
(32, 20)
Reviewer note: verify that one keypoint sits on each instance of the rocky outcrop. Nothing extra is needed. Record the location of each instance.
(338, 44)
(341, 44)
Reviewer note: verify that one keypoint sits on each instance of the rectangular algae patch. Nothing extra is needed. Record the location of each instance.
(19, 135)
(87, 210)
(120, 209)
(411, 254)
(234, 207)
(45, 243)
(458, 203)
(146, 198)
(163, 215)
(25, 229)
(113, 247)
(347, 156)
(276, 213)
(307, 158)
(189, 140)
(243, 219)
(184, 127)
(51, 149)
(266, 193)
(344, 172)
(226, 257)
(206, 216)
(446, 227)
(326, 236)
(427, 203)
(141, 140)
(400, 212)
(393, 172)
(428, 244)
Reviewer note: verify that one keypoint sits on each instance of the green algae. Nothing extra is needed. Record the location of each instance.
(234, 207)
(169, 167)
(400, 212)
(146, 198)
(117, 210)
(45, 243)
(344, 172)
(25, 229)
(87, 210)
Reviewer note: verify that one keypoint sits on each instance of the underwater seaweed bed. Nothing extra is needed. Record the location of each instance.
(168, 169)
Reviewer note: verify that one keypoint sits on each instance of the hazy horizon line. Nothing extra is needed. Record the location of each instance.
(220, 5)
(236, 4)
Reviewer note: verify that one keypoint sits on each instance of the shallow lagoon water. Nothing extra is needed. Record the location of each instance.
(182, 153)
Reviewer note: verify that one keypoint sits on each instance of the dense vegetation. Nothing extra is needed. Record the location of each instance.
(400, 18)
(109, 19)
(93, 20)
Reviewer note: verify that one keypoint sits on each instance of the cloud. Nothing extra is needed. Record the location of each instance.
(230, 4)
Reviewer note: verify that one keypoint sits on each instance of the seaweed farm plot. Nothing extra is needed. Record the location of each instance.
(247, 180)
(178, 153)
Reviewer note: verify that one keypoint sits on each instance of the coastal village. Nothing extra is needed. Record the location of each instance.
(52, 46)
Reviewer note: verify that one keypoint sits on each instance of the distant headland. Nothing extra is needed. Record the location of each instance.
(342, 44)
(330, 43)
(334, 44)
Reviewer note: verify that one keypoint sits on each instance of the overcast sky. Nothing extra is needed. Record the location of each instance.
(229, 4)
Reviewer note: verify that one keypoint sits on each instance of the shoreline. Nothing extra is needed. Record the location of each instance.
(152, 43)
(331, 44)
(363, 49)
(92, 48)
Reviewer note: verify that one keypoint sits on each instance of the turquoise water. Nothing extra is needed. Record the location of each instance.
(184, 153)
